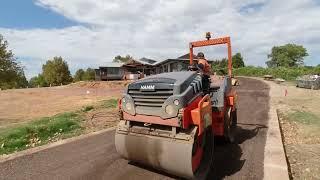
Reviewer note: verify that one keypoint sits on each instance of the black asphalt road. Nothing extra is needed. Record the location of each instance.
(95, 157)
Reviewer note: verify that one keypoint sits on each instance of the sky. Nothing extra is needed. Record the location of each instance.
(89, 33)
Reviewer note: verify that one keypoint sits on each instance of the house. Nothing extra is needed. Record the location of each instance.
(135, 69)
(109, 71)
(143, 66)
(172, 65)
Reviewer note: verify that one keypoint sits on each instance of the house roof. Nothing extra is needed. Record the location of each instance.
(142, 61)
(186, 56)
(166, 60)
(112, 64)
(183, 57)
(147, 60)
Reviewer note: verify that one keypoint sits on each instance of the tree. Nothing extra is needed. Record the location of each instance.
(89, 74)
(38, 81)
(220, 63)
(289, 55)
(122, 59)
(56, 72)
(11, 72)
(237, 61)
(220, 66)
(21, 81)
(79, 75)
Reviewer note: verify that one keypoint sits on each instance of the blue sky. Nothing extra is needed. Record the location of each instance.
(25, 14)
(90, 33)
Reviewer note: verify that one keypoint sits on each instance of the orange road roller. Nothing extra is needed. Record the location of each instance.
(169, 121)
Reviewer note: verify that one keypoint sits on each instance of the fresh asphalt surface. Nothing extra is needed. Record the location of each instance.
(95, 157)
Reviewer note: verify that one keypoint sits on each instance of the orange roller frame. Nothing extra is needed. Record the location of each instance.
(209, 42)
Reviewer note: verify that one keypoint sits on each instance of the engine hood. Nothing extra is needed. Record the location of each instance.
(152, 95)
(176, 81)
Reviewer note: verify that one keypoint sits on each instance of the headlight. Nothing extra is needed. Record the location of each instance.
(169, 110)
(123, 100)
(128, 106)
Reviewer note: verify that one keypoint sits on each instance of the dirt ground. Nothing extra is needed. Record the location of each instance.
(299, 114)
(21, 105)
(101, 118)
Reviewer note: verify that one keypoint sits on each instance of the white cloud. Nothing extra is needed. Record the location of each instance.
(162, 29)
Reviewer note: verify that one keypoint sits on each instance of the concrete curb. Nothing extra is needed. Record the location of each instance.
(4, 158)
(275, 163)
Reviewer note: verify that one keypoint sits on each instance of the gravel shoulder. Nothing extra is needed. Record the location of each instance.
(299, 115)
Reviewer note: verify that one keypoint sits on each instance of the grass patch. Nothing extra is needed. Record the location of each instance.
(306, 129)
(48, 129)
(110, 103)
(39, 132)
(306, 118)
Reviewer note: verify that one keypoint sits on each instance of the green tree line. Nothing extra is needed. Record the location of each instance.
(84, 75)
(286, 62)
(221, 66)
(56, 72)
(124, 59)
(278, 72)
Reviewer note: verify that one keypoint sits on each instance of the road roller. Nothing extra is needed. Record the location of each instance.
(169, 121)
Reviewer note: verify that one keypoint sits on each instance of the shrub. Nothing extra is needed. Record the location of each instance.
(279, 72)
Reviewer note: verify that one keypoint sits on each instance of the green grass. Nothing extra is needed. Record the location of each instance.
(47, 129)
(308, 125)
(110, 103)
(306, 118)
(39, 132)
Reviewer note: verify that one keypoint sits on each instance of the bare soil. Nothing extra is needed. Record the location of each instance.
(21, 105)
(101, 118)
(299, 116)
